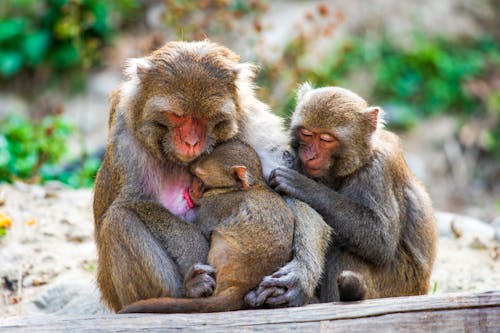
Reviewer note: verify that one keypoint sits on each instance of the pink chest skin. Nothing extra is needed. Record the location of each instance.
(172, 195)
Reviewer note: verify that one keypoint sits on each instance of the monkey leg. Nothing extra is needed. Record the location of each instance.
(132, 264)
(183, 241)
(345, 268)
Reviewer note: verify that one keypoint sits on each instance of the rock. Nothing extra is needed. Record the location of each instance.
(468, 226)
(70, 295)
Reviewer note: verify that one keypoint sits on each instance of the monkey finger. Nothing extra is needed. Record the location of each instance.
(264, 295)
(251, 299)
(200, 291)
(201, 269)
(285, 299)
(271, 175)
(269, 281)
(280, 188)
(285, 173)
(273, 182)
(281, 272)
(200, 288)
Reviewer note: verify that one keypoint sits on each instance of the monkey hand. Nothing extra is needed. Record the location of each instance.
(282, 289)
(199, 281)
(294, 184)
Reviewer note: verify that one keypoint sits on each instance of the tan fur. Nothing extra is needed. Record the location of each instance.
(143, 249)
(251, 231)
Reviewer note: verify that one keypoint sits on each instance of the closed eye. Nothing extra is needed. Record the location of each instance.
(305, 132)
(327, 138)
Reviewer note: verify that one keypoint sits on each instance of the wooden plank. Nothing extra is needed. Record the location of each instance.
(466, 312)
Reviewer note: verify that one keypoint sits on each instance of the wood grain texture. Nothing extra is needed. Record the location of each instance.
(465, 312)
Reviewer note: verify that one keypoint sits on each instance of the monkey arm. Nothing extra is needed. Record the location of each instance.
(294, 284)
(367, 226)
(183, 241)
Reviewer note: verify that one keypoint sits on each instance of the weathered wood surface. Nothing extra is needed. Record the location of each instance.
(466, 312)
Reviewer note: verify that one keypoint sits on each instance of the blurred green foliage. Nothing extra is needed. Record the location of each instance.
(32, 151)
(80, 173)
(492, 134)
(27, 146)
(429, 77)
(432, 76)
(218, 16)
(58, 35)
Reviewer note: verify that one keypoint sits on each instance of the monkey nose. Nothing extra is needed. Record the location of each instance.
(191, 141)
(311, 156)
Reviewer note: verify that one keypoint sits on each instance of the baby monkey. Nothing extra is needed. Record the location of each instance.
(249, 225)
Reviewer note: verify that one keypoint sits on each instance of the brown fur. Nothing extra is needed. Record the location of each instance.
(382, 217)
(144, 249)
(235, 218)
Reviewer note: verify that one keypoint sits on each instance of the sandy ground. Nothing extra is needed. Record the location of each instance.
(49, 257)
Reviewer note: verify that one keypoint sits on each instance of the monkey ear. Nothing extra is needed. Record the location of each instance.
(304, 88)
(373, 116)
(137, 67)
(239, 172)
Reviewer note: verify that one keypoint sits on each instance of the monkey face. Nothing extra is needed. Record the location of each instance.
(316, 147)
(185, 101)
(189, 135)
(332, 131)
(231, 165)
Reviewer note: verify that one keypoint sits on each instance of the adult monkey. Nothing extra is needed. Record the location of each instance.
(352, 172)
(176, 105)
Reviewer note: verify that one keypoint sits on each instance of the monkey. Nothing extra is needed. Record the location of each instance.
(236, 206)
(174, 106)
(353, 173)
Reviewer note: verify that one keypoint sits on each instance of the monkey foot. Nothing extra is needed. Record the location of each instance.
(200, 281)
(352, 286)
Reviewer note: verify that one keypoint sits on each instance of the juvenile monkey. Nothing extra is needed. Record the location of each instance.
(353, 173)
(174, 106)
(249, 225)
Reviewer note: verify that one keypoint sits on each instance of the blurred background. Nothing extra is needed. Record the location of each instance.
(434, 66)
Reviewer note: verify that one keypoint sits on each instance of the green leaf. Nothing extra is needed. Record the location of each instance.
(11, 28)
(66, 56)
(67, 27)
(4, 152)
(11, 62)
(100, 24)
(35, 46)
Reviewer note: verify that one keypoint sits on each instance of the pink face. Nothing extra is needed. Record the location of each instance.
(190, 136)
(315, 150)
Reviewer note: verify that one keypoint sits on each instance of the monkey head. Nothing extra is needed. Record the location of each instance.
(332, 130)
(182, 100)
(231, 165)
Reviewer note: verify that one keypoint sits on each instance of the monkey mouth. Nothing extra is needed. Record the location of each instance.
(187, 158)
(188, 198)
(313, 171)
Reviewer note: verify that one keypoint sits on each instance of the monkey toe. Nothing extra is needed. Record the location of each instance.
(201, 269)
(352, 286)
(202, 286)
(200, 281)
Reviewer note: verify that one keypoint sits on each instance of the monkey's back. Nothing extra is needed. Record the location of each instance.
(256, 235)
(417, 246)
